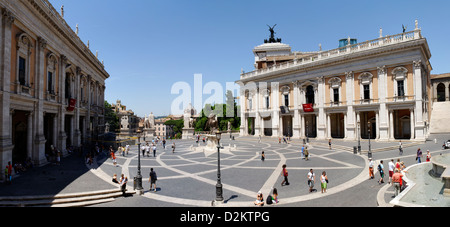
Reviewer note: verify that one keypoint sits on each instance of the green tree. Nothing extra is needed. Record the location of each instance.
(111, 118)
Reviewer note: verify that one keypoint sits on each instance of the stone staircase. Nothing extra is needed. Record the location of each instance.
(62, 200)
(440, 117)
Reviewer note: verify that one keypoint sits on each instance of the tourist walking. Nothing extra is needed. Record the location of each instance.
(123, 184)
(400, 148)
(371, 164)
(306, 153)
(397, 181)
(154, 150)
(173, 147)
(146, 150)
(113, 157)
(329, 143)
(381, 170)
(391, 167)
(263, 156)
(311, 180)
(419, 156)
(323, 181)
(428, 156)
(285, 174)
(8, 173)
(152, 179)
(303, 152)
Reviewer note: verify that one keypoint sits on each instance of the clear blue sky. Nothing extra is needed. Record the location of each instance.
(149, 45)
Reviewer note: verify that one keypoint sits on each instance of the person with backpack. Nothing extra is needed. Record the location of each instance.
(381, 170)
(271, 199)
(152, 179)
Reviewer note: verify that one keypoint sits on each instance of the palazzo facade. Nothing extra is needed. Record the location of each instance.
(378, 88)
(51, 85)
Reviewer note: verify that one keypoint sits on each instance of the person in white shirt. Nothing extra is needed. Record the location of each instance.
(147, 150)
(391, 167)
(371, 165)
(311, 180)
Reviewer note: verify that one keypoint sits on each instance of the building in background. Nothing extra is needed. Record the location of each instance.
(51, 85)
(382, 85)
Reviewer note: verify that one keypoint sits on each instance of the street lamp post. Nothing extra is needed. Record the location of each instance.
(138, 179)
(219, 190)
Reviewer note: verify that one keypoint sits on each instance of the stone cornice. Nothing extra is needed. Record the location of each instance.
(50, 15)
(278, 71)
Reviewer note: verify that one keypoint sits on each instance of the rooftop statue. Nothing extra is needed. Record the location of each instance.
(272, 36)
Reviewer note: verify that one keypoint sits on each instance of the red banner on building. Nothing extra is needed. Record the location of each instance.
(308, 107)
(72, 103)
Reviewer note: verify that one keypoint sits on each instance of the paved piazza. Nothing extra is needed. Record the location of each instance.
(188, 178)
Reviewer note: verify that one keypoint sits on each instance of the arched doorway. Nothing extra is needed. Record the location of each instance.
(440, 92)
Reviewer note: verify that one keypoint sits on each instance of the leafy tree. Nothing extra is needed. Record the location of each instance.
(111, 118)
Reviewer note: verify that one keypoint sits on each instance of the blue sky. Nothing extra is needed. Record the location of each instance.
(150, 45)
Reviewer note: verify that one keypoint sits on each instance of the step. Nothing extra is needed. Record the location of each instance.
(70, 199)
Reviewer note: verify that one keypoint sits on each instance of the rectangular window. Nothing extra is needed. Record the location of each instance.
(286, 100)
(22, 70)
(401, 88)
(366, 92)
(336, 95)
(50, 82)
(267, 102)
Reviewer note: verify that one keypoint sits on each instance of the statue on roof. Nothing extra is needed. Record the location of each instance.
(272, 35)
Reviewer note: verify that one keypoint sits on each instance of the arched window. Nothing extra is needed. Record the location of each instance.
(285, 92)
(366, 86)
(440, 92)
(310, 94)
(400, 86)
(335, 89)
(24, 48)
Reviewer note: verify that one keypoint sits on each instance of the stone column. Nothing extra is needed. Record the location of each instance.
(412, 123)
(6, 146)
(275, 108)
(446, 91)
(419, 125)
(391, 124)
(350, 126)
(382, 117)
(242, 99)
(321, 118)
(296, 126)
(39, 140)
(328, 126)
(257, 114)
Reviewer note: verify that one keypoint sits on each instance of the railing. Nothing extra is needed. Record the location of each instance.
(400, 98)
(366, 101)
(335, 104)
(383, 41)
(71, 33)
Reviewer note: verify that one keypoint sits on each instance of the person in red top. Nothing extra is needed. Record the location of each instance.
(284, 173)
(9, 173)
(113, 157)
(396, 179)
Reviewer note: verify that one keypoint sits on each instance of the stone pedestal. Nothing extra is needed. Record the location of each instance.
(188, 133)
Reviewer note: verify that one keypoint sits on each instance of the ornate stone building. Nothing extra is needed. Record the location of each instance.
(382, 85)
(51, 85)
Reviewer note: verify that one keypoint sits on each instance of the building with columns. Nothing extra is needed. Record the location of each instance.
(381, 86)
(51, 85)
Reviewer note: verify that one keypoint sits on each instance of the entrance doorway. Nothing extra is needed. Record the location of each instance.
(310, 125)
(287, 126)
(19, 136)
(337, 125)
